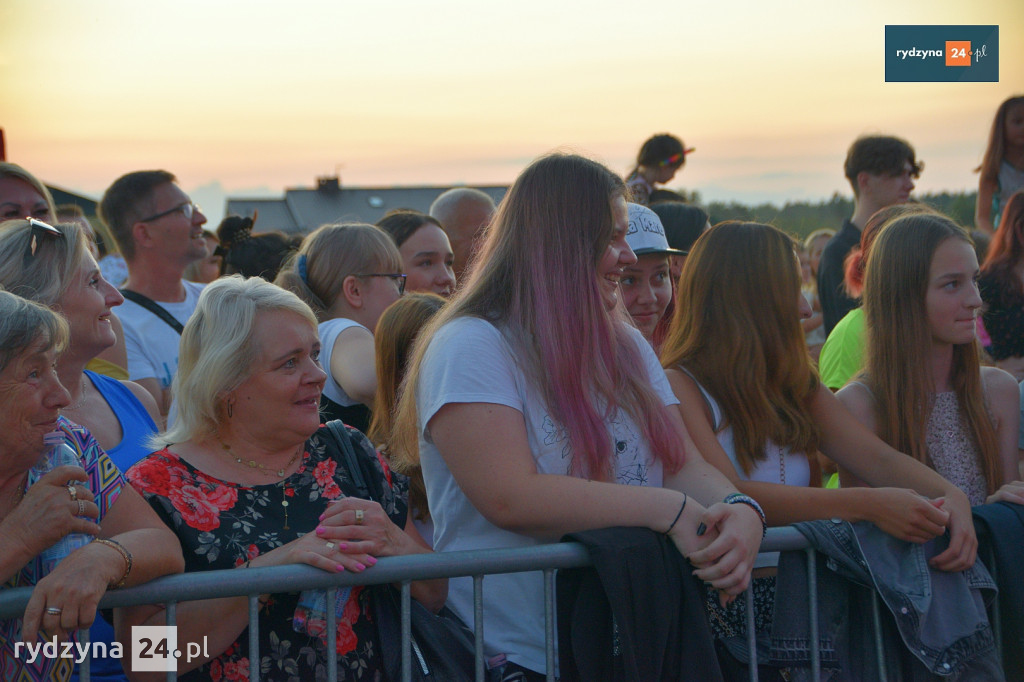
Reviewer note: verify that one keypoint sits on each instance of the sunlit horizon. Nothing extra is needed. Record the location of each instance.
(250, 98)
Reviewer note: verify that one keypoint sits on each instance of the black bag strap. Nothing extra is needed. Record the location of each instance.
(355, 471)
(153, 307)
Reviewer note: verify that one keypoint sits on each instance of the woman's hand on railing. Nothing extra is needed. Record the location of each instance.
(963, 543)
(309, 549)
(66, 599)
(1010, 492)
(735, 531)
(904, 513)
(361, 530)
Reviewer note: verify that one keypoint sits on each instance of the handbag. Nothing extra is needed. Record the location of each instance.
(442, 645)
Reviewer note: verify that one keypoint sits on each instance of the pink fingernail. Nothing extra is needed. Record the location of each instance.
(322, 516)
(340, 567)
(361, 567)
(320, 530)
(342, 546)
(371, 561)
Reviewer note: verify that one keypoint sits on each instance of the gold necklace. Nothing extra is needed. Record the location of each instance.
(258, 466)
(81, 398)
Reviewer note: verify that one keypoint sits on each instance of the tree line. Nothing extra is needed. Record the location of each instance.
(800, 218)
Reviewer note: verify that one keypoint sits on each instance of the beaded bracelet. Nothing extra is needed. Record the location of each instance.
(125, 554)
(673, 524)
(740, 498)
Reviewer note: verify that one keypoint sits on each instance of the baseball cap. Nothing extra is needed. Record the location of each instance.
(646, 234)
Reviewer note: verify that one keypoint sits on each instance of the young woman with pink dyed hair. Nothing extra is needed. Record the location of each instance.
(539, 410)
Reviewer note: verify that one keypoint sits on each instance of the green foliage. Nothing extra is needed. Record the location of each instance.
(801, 218)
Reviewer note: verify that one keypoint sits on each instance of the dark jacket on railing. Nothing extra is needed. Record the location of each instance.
(637, 614)
(939, 616)
(1001, 536)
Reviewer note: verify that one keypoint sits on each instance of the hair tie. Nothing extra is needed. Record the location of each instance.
(301, 267)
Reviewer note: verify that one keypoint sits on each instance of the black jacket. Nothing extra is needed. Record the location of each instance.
(641, 580)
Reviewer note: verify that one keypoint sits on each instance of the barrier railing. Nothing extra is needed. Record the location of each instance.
(404, 569)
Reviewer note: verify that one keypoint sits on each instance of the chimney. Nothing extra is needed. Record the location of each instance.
(328, 184)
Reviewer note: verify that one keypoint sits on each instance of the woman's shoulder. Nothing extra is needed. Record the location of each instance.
(337, 325)
(329, 444)
(79, 438)
(1000, 386)
(856, 396)
(466, 332)
(152, 473)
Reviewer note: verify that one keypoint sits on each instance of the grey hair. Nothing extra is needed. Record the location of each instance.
(218, 351)
(23, 323)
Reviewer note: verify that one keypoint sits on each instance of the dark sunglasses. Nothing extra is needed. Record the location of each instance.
(39, 229)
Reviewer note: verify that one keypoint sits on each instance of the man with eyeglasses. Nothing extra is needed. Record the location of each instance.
(159, 231)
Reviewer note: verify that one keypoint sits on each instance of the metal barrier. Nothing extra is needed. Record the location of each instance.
(404, 569)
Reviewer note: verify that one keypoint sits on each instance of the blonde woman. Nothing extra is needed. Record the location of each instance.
(348, 274)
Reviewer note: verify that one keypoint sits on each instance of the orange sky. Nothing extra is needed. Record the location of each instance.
(248, 97)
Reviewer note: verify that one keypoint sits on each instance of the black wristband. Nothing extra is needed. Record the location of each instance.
(676, 519)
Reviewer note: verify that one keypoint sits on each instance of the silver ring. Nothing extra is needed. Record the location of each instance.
(54, 611)
(81, 507)
(330, 545)
(72, 492)
(359, 516)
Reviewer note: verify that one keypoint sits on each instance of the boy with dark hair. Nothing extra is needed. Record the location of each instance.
(881, 170)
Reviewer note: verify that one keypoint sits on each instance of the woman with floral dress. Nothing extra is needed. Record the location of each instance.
(248, 477)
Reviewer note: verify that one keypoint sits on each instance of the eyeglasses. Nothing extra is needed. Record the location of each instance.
(187, 209)
(39, 228)
(398, 276)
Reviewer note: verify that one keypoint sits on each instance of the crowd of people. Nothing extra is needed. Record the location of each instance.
(589, 354)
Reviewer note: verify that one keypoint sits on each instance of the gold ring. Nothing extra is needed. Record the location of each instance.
(54, 611)
(72, 492)
(330, 545)
(81, 507)
(359, 516)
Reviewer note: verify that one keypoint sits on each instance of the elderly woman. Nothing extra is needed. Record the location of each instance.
(134, 545)
(249, 477)
(62, 274)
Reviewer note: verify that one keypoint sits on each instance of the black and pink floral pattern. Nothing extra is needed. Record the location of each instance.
(222, 524)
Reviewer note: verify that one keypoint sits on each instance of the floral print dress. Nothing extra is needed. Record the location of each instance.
(222, 524)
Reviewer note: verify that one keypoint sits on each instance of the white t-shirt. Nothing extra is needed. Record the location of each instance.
(469, 361)
(151, 343)
(329, 332)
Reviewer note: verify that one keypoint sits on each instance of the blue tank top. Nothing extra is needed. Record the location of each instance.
(136, 424)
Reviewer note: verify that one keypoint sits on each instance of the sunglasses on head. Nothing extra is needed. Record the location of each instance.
(40, 229)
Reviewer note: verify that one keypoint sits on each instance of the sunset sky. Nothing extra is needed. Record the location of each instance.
(248, 97)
